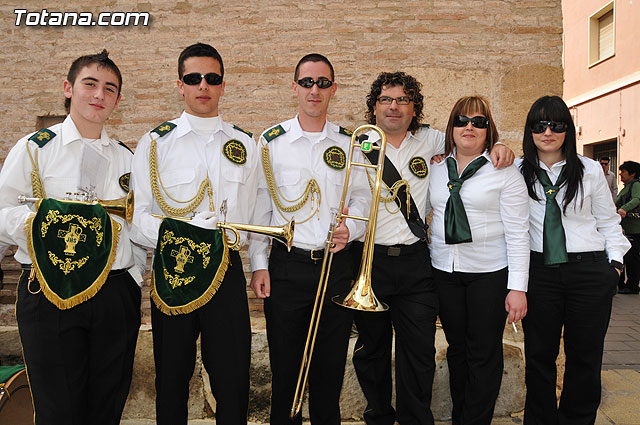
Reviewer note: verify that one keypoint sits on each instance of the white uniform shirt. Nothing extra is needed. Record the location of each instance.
(60, 164)
(497, 206)
(392, 227)
(591, 223)
(295, 160)
(185, 158)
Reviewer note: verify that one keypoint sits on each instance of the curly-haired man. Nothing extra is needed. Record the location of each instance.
(401, 265)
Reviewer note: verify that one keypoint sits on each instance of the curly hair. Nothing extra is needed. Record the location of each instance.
(411, 87)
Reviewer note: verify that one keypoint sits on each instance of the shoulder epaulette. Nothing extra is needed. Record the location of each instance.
(345, 131)
(42, 137)
(164, 128)
(248, 133)
(425, 125)
(272, 133)
(125, 146)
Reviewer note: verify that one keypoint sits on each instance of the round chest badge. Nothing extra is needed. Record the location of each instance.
(335, 157)
(418, 167)
(235, 151)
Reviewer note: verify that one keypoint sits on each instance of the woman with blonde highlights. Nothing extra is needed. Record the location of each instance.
(480, 255)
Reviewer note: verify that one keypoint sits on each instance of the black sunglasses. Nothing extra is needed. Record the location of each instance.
(194, 78)
(308, 82)
(554, 126)
(477, 122)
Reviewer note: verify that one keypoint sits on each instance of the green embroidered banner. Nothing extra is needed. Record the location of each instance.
(72, 246)
(188, 267)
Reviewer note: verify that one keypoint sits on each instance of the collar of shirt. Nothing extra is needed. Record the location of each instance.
(184, 126)
(69, 133)
(453, 155)
(292, 127)
(555, 169)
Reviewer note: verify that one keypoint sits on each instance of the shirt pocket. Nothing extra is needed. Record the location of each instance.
(178, 177)
(290, 183)
(58, 187)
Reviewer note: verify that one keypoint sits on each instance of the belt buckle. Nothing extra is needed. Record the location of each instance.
(393, 251)
(313, 253)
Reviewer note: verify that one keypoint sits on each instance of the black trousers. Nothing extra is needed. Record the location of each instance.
(473, 317)
(223, 324)
(631, 265)
(294, 282)
(405, 284)
(576, 295)
(80, 361)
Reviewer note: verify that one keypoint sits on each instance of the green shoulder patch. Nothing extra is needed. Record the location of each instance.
(125, 146)
(418, 167)
(124, 182)
(248, 133)
(164, 128)
(272, 133)
(235, 151)
(335, 157)
(345, 131)
(42, 137)
(425, 125)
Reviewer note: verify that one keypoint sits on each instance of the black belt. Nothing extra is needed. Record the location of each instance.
(308, 254)
(399, 249)
(111, 273)
(575, 257)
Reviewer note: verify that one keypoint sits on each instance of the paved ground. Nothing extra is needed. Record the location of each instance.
(622, 343)
(620, 377)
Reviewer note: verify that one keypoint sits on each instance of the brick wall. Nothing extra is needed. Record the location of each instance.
(508, 50)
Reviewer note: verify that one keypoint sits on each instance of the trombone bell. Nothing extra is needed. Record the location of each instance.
(361, 297)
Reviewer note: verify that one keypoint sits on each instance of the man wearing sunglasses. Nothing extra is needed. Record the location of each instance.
(304, 162)
(191, 167)
(612, 180)
(401, 276)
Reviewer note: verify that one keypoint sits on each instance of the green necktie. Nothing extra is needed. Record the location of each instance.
(456, 224)
(554, 242)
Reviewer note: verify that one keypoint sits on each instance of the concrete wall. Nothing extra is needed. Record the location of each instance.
(604, 97)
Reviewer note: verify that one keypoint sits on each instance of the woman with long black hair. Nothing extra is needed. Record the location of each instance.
(577, 248)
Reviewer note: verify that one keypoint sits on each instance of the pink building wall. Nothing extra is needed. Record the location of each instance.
(605, 97)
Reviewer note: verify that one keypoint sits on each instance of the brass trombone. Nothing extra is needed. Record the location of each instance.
(283, 233)
(361, 296)
(122, 207)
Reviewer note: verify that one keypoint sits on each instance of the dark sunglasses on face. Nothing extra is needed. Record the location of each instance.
(194, 78)
(477, 122)
(308, 82)
(554, 126)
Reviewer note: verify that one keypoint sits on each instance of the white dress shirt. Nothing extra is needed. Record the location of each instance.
(590, 222)
(497, 206)
(185, 158)
(296, 159)
(63, 168)
(392, 227)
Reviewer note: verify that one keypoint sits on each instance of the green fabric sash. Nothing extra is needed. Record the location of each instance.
(188, 267)
(7, 372)
(554, 242)
(72, 246)
(456, 223)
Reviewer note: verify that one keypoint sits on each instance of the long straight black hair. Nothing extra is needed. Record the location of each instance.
(552, 108)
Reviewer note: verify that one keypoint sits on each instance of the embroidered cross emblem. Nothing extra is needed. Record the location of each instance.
(43, 136)
(274, 132)
(71, 238)
(166, 127)
(182, 258)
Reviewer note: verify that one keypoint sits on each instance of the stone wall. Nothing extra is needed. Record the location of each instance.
(507, 50)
